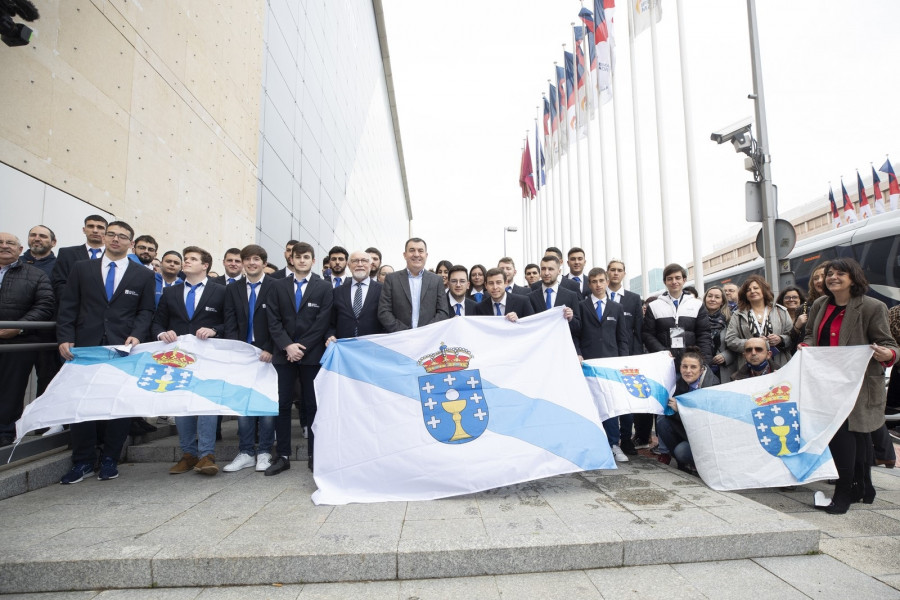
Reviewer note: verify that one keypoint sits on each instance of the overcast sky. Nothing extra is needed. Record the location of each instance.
(468, 76)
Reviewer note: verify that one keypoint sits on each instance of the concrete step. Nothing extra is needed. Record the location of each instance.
(151, 529)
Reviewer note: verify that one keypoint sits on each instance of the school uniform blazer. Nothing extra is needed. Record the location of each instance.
(563, 283)
(633, 313)
(344, 323)
(237, 311)
(516, 303)
(602, 338)
(223, 280)
(395, 306)
(86, 318)
(563, 297)
(171, 313)
(585, 288)
(521, 290)
(469, 305)
(307, 326)
(65, 260)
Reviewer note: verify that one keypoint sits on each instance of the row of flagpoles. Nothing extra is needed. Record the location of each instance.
(865, 209)
(557, 213)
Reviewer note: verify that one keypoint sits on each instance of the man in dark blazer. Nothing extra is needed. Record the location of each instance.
(397, 305)
(508, 266)
(338, 258)
(285, 272)
(299, 313)
(558, 295)
(577, 262)
(633, 314)
(460, 304)
(345, 322)
(94, 230)
(233, 266)
(249, 323)
(195, 307)
(108, 301)
(498, 302)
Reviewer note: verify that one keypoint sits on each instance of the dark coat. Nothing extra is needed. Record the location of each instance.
(564, 297)
(602, 339)
(345, 324)
(306, 327)
(633, 313)
(62, 268)
(237, 311)
(171, 314)
(691, 316)
(516, 303)
(25, 295)
(395, 306)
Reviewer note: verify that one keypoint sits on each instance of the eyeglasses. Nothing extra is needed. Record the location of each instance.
(753, 349)
(792, 298)
(143, 247)
(124, 237)
(359, 261)
(458, 281)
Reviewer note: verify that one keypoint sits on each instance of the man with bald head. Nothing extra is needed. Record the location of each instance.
(25, 295)
(758, 359)
(355, 308)
(41, 242)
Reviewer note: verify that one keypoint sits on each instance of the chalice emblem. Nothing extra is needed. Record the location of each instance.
(454, 408)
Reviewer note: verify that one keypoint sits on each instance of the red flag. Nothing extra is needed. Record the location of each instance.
(526, 174)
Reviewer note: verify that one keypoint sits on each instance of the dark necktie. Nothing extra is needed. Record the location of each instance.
(497, 306)
(458, 313)
(251, 308)
(230, 280)
(549, 299)
(190, 302)
(110, 281)
(337, 282)
(95, 252)
(298, 295)
(357, 300)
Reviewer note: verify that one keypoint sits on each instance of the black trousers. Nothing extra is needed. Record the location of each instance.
(15, 368)
(853, 455)
(88, 435)
(287, 373)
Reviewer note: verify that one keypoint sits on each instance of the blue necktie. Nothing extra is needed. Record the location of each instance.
(251, 308)
(298, 296)
(479, 296)
(337, 281)
(458, 314)
(497, 306)
(577, 280)
(230, 280)
(110, 281)
(600, 309)
(190, 301)
(95, 252)
(675, 302)
(612, 296)
(549, 300)
(509, 289)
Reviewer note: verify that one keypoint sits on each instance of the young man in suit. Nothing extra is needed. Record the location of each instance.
(246, 320)
(577, 262)
(337, 262)
(564, 283)
(460, 304)
(498, 302)
(94, 230)
(412, 297)
(233, 265)
(633, 315)
(508, 266)
(299, 313)
(603, 334)
(285, 272)
(375, 258)
(355, 308)
(551, 293)
(195, 307)
(106, 302)
(532, 274)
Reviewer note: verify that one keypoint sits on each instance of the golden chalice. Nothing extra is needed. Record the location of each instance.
(781, 430)
(454, 406)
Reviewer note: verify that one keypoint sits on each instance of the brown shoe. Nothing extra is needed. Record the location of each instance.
(207, 465)
(890, 464)
(184, 465)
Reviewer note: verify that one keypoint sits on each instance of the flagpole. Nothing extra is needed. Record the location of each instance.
(638, 167)
(620, 176)
(562, 194)
(536, 209)
(566, 213)
(660, 134)
(554, 185)
(596, 208)
(696, 229)
(524, 199)
(584, 213)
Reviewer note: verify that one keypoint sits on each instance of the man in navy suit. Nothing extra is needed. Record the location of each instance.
(603, 334)
(299, 313)
(508, 266)
(108, 301)
(195, 307)
(460, 304)
(551, 293)
(337, 262)
(246, 320)
(285, 272)
(577, 262)
(233, 266)
(633, 314)
(563, 283)
(94, 230)
(355, 308)
(498, 302)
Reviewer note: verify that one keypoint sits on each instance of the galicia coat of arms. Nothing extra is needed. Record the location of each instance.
(169, 372)
(454, 408)
(636, 384)
(777, 421)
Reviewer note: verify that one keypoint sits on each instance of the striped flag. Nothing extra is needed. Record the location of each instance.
(879, 199)
(623, 385)
(563, 111)
(604, 44)
(526, 173)
(571, 117)
(835, 215)
(849, 212)
(554, 124)
(893, 186)
(865, 210)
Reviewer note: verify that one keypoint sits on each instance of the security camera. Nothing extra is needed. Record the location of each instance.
(733, 131)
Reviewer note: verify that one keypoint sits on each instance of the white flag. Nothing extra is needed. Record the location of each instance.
(642, 383)
(641, 13)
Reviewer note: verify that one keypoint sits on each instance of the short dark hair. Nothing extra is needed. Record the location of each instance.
(291, 243)
(791, 288)
(444, 263)
(232, 251)
(768, 296)
(575, 250)
(457, 269)
(551, 258)
(495, 271)
(374, 250)
(147, 238)
(859, 284)
(303, 248)
(506, 259)
(672, 269)
(52, 235)
(692, 291)
(205, 257)
(615, 260)
(415, 240)
(531, 266)
(553, 250)
(175, 252)
(99, 218)
(596, 272)
(254, 250)
(123, 225)
(694, 352)
(339, 250)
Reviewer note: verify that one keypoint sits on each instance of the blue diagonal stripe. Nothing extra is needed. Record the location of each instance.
(657, 391)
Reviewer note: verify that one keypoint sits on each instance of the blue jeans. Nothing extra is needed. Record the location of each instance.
(611, 426)
(671, 432)
(197, 435)
(247, 434)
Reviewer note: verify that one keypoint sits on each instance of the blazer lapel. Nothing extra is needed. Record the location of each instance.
(404, 283)
(850, 323)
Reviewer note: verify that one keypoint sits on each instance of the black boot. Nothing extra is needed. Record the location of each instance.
(868, 490)
(843, 496)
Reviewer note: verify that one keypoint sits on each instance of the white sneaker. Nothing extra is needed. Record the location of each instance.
(263, 461)
(241, 461)
(618, 454)
(53, 430)
(306, 433)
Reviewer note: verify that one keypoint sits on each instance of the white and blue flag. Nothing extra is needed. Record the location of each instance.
(622, 385)
(773, 430)
(456, 407)
(186, 377)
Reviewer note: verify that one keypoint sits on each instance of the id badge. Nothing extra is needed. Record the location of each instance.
(676, 334)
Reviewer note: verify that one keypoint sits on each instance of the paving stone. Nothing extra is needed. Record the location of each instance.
(251, 592)
(152, 594)
(370, 590)
(573, 585)
(779, 502)
(853, 524)
(640, 583)
(735, 579)
(826, 578)
(462, 507)
(891, 580)
(872, 555)
(482, 588)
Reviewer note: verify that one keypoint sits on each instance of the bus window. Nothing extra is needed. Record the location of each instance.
(881, 264)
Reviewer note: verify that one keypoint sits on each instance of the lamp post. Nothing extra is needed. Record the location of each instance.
(505, 229)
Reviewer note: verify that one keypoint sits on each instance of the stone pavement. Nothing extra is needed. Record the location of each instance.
(644, 531)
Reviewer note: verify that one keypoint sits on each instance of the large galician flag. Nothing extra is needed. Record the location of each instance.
(773, 430)
(631, 384)
(459, 406)
(187, 377)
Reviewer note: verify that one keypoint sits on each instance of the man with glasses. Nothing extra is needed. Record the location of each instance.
(757, 355)
(94, 228)
(460, 304)
(145, 248)
(355, 309)
(111, 300)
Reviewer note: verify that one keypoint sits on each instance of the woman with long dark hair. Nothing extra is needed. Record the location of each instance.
(719, 314)
(759, 316)
(476, 282)
(793, 300)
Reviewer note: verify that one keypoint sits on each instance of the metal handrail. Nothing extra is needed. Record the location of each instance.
(28, 346)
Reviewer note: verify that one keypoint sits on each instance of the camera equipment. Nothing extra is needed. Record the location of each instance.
(12, 33)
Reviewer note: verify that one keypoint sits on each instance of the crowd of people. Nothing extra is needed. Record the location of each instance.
(113, 290)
